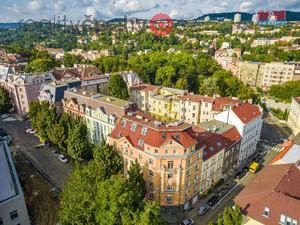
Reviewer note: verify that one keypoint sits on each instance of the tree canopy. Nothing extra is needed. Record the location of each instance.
(5, 102)
(117, 87)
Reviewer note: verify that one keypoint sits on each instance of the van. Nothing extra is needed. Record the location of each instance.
(254, 167)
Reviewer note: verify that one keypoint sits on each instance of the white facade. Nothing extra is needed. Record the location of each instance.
(12, 204)
(250, 131)
(237, 18)
(294, 116)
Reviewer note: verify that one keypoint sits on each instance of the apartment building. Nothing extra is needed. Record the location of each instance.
(230, 140)
(99, 112)
(248, 72)
(247, 118)
(226, 57)
(12, 203)
(174, 104)
(169, 154)
(294, 116)
(264, 75)
(23, 88)
(272, 197)
(264, 42)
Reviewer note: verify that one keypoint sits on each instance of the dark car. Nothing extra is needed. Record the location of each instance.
(212, 201)
(240, 174)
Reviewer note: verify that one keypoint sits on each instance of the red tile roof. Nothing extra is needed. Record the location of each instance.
(287, 146)
(144, 87)
(246, 112)
(231, 136)
(156, 135)
(221, 102)
(275, 187)
(197, 98)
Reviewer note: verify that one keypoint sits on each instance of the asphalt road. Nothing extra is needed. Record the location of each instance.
(41, 157)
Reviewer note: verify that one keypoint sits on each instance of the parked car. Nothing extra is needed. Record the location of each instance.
(240, 174)
(203, 209)
(212, 201)
(30, 131)
(62, 158)
(222, 192)
(55, 153)
(3, 116)
(188, 222)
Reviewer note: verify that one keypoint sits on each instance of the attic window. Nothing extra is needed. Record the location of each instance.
(140, 142)
(211, 148)
(267, 212)
(164, 136)
(144, 131)
(133, 127)
(123, 123)
(219, 144)
(177, 137)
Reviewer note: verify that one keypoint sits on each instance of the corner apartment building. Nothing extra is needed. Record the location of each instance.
(12, 203)
(23, 88)
(247, 119)
(169, 154)
(99, 112)
(174, 104)
(294, 116)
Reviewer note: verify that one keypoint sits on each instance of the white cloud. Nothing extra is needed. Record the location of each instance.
(35, 5)
(90, 11)
(13, 8)
(246, 6)
(59, 5)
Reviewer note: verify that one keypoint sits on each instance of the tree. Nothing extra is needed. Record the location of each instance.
(40, 65)
(78, 197)
(117, 87)
(107, 160)
(5, 104)
(34, 108)
(78, 146)
(69, 60)
(136, 182)
(150, 215)
(165, 76)
(182, 83)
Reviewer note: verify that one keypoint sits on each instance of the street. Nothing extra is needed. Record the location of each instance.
(41, 158)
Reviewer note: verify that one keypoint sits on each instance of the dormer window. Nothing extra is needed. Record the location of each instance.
(144, 131)
(133, 127)
(266, 212)
(123, 123)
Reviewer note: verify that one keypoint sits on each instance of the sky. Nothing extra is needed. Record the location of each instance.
(15, 10)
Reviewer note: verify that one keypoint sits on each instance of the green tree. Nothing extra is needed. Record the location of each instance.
(34, 108)
(78, 147)
(5, 104)
(165, 76)
(107, 160)
(136, 182)
(40, 65)
(150, 215)
(117, 87)
(69, 60)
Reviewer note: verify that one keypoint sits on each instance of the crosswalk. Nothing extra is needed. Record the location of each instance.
(272, 148)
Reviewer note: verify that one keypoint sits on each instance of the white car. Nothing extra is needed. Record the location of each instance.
(62, 158)
(188, 222)
(3, 116)
(30, 131)
(203, 209)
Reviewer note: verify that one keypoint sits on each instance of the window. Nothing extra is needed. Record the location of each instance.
(170, 188)
(169, 199)
(170, 165)
(140, 142)
(13, 214)
(164, 136)
(156, 151)
(266, 212)
(144, 131)
(170, 176)
(133, 127)
(177, 137)
(123, 123)
(285, 220)
(151, 173)
(174, 152)
(166, 152)
(150, 161)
